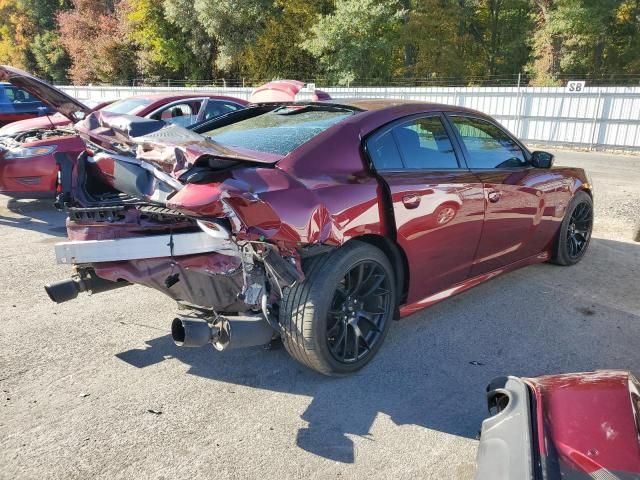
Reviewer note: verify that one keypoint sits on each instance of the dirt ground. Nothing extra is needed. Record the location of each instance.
(95, 388)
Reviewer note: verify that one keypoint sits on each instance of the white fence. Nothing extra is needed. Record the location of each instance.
(595, 118)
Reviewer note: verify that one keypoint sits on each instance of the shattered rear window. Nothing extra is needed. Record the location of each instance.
(281, 130)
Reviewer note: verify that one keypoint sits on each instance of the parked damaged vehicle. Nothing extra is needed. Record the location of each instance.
(27, 148)
(570, 426)
(318, 222)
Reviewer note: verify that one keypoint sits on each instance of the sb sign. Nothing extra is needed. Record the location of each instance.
(575, 86)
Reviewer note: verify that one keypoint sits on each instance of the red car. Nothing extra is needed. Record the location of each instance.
(27, 149)
(573, 426)
(317, 221)
(287, 91)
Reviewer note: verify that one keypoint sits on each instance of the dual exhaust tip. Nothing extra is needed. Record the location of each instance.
(66, 290)
(226, 332)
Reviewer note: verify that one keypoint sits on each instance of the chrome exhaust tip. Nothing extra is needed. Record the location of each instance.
(187, 332)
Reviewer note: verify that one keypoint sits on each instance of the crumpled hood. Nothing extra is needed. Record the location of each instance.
(169, 147)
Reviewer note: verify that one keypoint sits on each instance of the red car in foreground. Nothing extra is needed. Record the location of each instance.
(572, 426)
(317, 221)
(27, 149)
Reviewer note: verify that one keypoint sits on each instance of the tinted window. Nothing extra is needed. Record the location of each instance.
(279, 131)
(384, 153)
(183, 114)
(424, 143)
(488, 145)
(129, 106)
(216, 108)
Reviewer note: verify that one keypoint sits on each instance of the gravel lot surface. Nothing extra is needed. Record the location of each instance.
(95, 388)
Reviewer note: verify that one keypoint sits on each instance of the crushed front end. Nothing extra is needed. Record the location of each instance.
(174, 218)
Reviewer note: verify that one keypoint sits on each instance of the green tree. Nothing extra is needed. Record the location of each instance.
(500, 28)
(163, 48)
(359, 41)
(203, 46)
(276, 52)
(432, 40)
(50, 58)
(15, 34)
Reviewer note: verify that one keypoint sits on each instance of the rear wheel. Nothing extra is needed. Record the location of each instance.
(575, 231)
(336, 320)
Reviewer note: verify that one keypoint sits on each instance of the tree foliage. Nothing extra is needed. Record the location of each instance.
(359, 40)
(342, 41)
(94, 35)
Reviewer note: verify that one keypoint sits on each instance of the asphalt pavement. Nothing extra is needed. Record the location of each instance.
(95, 388)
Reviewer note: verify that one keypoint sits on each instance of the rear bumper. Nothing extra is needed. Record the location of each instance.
(136, 248)
(506, 446)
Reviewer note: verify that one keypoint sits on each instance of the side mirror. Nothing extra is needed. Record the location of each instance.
(541, 159)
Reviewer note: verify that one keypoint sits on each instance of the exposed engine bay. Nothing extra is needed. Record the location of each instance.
(14, 141)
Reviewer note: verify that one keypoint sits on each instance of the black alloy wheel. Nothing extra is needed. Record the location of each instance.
(335, 321)
(575, 231)
(357, 315)
(579, 230)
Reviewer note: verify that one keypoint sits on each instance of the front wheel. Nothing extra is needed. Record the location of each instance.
(575, 231)
(336, 320)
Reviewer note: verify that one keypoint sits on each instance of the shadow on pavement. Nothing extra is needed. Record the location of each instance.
(434, 366)
(37, 215)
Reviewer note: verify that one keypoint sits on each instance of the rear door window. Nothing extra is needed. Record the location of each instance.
(280, 131)
(425, 144)
(420, 144)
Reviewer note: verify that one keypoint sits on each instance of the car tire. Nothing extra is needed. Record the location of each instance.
(575, 231)
(335, 321)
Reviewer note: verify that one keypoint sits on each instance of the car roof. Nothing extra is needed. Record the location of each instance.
(177, 96)
(373, 104)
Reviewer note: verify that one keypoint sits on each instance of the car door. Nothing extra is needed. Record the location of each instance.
(513, 190)
(437, 203)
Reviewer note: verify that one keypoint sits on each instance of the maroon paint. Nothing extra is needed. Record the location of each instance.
(324, 193)
(589, 421)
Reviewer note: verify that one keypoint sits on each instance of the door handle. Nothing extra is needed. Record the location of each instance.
(411, 201)
(494, 196)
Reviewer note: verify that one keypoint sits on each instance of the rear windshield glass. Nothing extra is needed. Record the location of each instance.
(281, 130)
(129, 106)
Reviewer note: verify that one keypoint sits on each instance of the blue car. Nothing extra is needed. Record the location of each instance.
(16, 104)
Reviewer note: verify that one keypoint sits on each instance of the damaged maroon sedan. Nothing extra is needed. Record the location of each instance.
(315, 221)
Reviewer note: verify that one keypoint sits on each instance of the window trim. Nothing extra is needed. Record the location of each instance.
(463, 147)
(457, 151)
